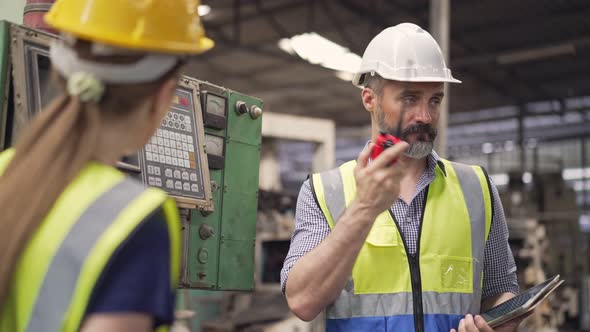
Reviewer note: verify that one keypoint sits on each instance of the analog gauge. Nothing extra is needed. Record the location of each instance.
(214, 145)
(215, 105)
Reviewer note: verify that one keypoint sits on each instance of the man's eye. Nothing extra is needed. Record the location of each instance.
(409, 100)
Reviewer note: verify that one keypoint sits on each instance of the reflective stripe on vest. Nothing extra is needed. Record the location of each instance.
(456, 219)
(65, 257)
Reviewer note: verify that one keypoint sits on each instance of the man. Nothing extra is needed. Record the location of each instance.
(408, 241)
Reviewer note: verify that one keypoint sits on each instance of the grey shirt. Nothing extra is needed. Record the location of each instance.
(311, 228)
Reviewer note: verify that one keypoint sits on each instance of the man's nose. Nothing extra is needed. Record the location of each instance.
(422, 114)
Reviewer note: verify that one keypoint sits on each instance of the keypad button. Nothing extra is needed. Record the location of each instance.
(194, 188)
(168, 160)
(173, 153)
(166, 142)
(159, 132)
(151, 181)
(190, 139)
(185, 176)
(186, 186)
(160, 141)
(164, 123)
(191, 148)
(184, 146)
(157, 171)
(170, 184)
(166, 134)
(168, 172)
(175, 116)
(183, 137)
(169, 114)
(187, 164)
(178, 145)
(187, 120)
(185, 154)
(167, 151)
(158, 182)
(178, 185)
(148, 156)
(161, 150)
(155, 158)
(178, 137)
(150, 169)
(194, 177)
(148, 148)
(177, 174)
(174, 161)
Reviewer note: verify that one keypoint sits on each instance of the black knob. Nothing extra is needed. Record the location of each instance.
(241, 107)
(206, 231)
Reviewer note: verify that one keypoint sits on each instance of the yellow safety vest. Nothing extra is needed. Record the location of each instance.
(61, 264)
(431, 290)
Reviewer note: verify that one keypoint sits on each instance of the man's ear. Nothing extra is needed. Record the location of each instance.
(369, 99)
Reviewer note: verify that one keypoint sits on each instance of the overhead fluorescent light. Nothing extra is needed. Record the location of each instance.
(535, 54)
(204, 10)
(321, 51)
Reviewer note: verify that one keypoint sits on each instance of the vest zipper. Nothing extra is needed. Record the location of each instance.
(414, 262)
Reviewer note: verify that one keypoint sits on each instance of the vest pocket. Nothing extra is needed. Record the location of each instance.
(456, 274)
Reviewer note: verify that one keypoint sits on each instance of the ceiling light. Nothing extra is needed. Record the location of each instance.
(285, 45)
(318, 50)
(204, 10)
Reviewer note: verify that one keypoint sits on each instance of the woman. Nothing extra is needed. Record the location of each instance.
(83, 247)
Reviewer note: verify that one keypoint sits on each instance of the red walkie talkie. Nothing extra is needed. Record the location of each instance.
(385, 140)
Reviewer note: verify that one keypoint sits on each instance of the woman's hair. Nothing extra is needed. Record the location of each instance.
(59, 142)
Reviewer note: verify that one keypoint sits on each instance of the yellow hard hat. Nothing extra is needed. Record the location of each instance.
(166, 26)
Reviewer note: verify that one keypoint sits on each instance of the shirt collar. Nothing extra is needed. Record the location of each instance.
(433, 161)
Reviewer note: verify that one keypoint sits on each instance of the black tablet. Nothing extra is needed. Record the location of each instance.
(522, 303)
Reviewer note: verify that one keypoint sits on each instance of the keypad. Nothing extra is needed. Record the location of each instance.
(171, 157)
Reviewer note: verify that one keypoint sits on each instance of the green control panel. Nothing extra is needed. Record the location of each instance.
(205, 154)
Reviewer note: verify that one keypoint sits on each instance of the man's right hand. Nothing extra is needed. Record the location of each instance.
(378, 182)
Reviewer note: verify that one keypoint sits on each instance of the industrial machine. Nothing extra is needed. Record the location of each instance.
(205, 154)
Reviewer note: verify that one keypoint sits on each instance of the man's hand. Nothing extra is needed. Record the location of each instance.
(478, 324)
(378, 183)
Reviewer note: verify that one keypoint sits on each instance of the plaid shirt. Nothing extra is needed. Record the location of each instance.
(311, 228)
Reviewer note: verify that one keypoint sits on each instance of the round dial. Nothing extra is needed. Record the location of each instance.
(214, 145)
(215, 105)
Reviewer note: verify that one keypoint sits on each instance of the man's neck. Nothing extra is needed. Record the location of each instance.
(415, 169)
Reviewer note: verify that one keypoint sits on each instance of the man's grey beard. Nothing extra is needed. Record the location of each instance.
(418, 149)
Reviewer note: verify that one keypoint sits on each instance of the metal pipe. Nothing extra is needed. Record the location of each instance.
(440, 17)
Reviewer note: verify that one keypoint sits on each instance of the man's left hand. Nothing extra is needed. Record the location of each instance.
(478, 324)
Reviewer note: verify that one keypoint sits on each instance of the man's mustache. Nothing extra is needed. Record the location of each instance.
(419, 128)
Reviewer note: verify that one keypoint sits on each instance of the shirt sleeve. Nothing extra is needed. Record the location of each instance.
(311, 228)
(137, 277)
(499, 266)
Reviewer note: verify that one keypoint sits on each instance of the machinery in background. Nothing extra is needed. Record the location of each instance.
(205, 154)
(545, 238)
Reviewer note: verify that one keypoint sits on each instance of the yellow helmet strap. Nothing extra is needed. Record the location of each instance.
(148, 69)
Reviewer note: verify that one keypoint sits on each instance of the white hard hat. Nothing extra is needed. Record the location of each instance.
(406, 53)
